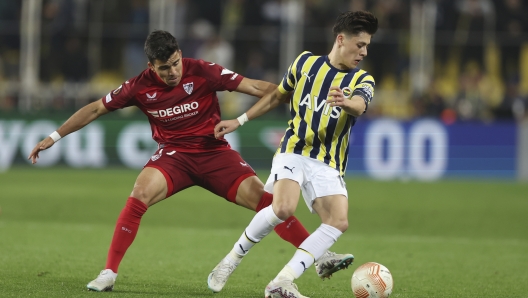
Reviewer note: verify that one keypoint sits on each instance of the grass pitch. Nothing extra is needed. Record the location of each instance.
(441, 239)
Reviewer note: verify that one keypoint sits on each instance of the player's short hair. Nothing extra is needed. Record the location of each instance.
(160, 45)
(355, 22)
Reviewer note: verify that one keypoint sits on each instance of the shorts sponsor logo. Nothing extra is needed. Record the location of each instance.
(291, 170)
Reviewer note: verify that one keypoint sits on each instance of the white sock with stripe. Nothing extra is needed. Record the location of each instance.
(310, 250)
(260, 226)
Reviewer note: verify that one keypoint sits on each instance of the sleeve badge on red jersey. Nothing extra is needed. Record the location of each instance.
(226, 71)
(117, 90)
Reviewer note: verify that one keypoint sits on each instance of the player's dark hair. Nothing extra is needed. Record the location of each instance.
(160, 45)
(355, 22)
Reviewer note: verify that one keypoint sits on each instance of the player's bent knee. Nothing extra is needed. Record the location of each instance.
(283, 211)
(249, 192)
(141, 195)
(146, 196)
(340, 224)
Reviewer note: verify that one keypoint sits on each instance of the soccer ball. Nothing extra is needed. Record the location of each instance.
(372, 280)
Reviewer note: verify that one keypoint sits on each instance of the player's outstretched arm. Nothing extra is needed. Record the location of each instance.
(268, 102)
(82, 117)
(255, 88)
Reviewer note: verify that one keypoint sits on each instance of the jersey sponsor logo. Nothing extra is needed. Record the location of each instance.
(116, 92)
(313, 103)
(176, 110)
(304, 73)
(152, 97)
(347, 92)
(188, 87)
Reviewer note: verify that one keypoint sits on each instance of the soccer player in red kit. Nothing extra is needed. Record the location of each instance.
(178, 96)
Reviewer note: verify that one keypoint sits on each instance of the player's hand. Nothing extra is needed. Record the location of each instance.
(42, 145)
(225, 127)
(335, 97)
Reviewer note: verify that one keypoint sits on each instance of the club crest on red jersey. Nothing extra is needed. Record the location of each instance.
(188, 87)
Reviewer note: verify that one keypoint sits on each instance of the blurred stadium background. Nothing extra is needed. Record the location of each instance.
(451, 96)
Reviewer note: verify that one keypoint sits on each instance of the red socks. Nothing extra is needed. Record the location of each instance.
(126, 229)
(291, 229)
(128, 221)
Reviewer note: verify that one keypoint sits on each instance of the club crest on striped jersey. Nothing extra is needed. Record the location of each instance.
(188, 87)
(347, 92)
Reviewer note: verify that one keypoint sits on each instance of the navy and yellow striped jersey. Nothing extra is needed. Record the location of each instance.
(317, 130)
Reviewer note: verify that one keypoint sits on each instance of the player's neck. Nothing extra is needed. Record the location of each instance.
(335, 60)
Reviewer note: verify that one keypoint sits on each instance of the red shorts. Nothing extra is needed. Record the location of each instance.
(220, 172)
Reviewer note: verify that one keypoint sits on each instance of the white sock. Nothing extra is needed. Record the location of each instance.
(287, 273)
(260, 226)
(233, 257)
(313, 248)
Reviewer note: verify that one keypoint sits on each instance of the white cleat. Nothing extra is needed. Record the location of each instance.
(218, 277)
(330, 262)
(104, 282)
(283, 288)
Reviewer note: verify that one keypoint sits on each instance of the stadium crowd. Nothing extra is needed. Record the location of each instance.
(480, 51)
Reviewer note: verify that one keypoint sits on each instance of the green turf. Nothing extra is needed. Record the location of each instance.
(441, 239)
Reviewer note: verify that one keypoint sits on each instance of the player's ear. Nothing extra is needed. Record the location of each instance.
(150, 66)
(339, 39)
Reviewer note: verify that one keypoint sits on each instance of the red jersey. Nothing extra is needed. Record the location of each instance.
(183, 116)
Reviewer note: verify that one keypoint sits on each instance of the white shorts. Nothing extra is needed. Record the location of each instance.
(316, 178)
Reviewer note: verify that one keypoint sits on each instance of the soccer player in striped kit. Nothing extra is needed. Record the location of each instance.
(327, 93)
